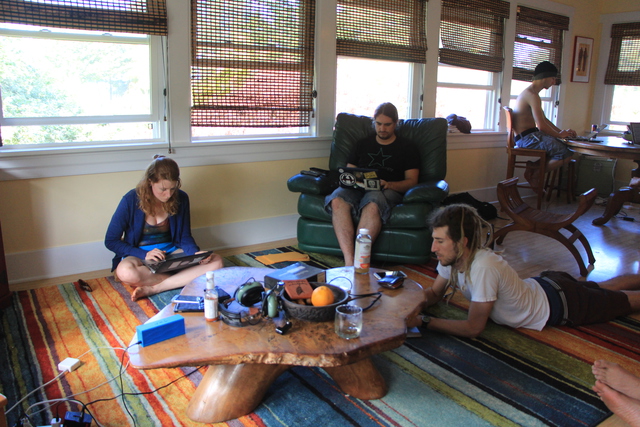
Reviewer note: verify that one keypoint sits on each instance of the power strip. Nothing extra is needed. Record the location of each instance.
(69, 364)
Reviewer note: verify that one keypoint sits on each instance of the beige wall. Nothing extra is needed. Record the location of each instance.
(52, 212)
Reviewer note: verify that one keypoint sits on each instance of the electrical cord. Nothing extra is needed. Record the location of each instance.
(45, 402)
(27, 413)
(61, 374)
(142, 393)
(42, 386)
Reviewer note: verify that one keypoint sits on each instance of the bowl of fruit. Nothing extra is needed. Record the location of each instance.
(320, 307)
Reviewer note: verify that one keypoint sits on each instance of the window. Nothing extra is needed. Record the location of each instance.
(471, 58)
(70, 86)
(622, 77)
(468, 93)
(539, 37)
(252, 66)
(360, 89)
(381, 46)
(65, 81)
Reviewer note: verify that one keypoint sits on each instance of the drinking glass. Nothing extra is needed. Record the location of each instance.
(348, 321)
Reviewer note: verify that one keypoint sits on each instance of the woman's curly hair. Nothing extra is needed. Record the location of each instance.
(161, 168)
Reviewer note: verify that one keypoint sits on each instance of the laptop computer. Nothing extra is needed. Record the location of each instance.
(635, 133)
(360, 178)
(175, 262)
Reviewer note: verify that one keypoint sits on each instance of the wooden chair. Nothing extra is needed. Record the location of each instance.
(526, 218)
(513, 163)
(554, 182)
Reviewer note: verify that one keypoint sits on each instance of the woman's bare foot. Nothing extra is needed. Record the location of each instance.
(143, 292)
(620, 404)
(616, 377)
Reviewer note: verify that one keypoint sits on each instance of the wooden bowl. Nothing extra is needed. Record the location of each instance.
(315, 314)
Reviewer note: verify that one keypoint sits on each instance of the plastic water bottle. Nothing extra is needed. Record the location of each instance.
(362, 255)
(211, 299)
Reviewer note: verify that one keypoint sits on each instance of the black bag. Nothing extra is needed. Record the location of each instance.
(486, 210)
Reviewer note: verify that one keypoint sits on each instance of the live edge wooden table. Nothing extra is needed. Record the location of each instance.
(244, 361)
(614, 148)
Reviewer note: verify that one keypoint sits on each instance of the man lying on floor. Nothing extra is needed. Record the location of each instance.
(496, 292)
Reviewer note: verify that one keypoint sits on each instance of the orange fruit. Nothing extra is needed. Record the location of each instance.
(322, 295)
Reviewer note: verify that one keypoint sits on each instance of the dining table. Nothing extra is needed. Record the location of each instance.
(613, 147)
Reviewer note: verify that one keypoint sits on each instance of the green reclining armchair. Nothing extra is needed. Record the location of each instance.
(406, 237)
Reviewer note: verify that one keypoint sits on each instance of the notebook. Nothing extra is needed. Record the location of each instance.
(365, 179)
(175, 262)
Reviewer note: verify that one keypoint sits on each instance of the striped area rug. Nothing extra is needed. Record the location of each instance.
(505, 377)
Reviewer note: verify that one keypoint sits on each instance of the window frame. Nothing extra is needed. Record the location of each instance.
(603, 95)
(156, 100)
(68, 161)
(491, 101)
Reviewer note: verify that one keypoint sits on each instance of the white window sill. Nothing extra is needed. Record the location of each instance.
(30, 164)
(68, 161)
(475, 140)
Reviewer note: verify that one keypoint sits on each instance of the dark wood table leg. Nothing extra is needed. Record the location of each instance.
(619, 197)
(227, 392)
(361, 380)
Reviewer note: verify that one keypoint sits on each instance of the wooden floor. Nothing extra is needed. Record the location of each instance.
(615, 245)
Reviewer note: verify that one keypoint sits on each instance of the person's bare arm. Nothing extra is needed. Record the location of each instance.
(410, 180)
(544, 124)
(471, 327)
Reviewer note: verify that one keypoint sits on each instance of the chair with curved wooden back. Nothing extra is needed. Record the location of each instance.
(526, 218)
(513, 163)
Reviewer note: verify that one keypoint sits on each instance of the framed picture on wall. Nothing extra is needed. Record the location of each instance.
(582, 53)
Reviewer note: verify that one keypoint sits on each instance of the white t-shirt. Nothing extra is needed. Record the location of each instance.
(518, 303)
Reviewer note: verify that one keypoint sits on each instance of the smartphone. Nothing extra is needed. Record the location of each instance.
(186, 298)
(382, 274)
(391, 282)
(189, 307)
(390, 279)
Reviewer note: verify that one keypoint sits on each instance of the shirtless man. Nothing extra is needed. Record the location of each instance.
(534, 130)
(619, 389)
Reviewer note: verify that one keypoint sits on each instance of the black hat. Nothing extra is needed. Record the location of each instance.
(545, 69)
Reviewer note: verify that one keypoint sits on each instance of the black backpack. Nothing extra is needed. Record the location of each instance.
(486, 210)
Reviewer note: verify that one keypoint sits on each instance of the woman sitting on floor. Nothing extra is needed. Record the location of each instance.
(151, 221)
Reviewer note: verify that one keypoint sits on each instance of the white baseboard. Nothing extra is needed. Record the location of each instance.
(86, 257)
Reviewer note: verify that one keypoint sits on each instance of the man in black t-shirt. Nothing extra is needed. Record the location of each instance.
(397, 161)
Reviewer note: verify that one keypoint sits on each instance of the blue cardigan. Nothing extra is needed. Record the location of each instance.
(125, 229)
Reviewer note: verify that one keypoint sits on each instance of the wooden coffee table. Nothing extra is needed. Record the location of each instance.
(244, 361)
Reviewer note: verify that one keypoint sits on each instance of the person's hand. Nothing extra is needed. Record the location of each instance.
(208, 259)
(154, 255)
(385, 185)
(568, 133)
(415, 321)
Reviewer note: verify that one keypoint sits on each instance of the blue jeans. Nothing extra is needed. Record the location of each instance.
(556, 148)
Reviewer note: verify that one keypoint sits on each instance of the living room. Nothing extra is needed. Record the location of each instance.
(62, 199)
(59, 198)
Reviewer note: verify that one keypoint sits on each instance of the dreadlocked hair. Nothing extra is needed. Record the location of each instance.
(463, 221)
